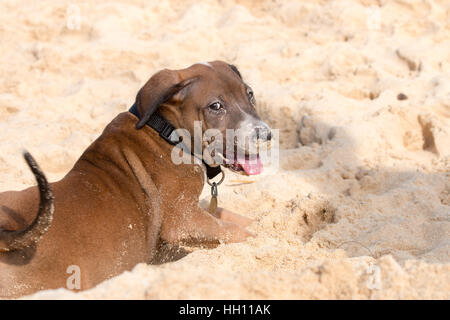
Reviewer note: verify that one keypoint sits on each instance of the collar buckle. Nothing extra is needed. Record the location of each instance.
(166, 131)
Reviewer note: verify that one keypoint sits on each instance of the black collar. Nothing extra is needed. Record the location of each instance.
(167, 131)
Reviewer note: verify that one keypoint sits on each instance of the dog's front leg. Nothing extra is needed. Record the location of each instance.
(229, 216)
(197, 225)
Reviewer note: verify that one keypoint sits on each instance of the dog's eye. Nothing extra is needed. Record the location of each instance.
(251, 96)
(215, 106)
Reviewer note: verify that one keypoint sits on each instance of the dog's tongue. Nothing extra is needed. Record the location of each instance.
(251, 166)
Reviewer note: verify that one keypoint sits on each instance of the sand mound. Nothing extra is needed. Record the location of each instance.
(360, 205)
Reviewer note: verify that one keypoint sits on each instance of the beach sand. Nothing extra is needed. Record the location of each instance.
(360, 91)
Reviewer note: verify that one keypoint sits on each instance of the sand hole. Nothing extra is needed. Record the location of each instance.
(427, 134)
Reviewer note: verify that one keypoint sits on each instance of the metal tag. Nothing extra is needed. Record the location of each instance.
(213, 202)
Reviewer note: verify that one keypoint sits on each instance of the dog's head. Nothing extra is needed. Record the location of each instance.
(215, 96)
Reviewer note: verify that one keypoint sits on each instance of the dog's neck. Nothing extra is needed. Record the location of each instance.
(167, 131)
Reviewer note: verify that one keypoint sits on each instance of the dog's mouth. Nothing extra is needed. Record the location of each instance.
(242, 161)
(248, 164)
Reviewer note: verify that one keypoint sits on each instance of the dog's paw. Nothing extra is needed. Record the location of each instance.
(229, 216)
(235, 233)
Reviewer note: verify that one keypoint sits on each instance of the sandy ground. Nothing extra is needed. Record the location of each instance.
(360, 206)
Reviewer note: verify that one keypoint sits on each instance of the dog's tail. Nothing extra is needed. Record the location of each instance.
(20, 239)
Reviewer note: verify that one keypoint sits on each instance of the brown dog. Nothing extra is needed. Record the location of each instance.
(125, 195)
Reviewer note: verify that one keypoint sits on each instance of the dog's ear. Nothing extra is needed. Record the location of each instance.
(235, 69)
(159, 89)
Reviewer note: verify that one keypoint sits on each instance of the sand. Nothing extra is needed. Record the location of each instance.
(360, 90)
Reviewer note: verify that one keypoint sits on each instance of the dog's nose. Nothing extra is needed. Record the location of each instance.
(263, 133)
